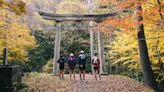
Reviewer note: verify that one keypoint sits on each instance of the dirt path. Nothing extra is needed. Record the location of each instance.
(108, 84)
(88, 86)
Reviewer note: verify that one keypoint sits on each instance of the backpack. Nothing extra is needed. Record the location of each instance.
(82, 57)
(71, 61)
(95, 60)
(61, 61)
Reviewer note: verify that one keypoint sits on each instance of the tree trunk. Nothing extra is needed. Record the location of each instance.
(144, 57)
(101, 52)
(57, 51)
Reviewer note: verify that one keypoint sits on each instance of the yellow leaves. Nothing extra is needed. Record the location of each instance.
(17, 6)
(18, 38)
(153, 12)
(2, 4)
(123, 60)
(126, 50)
(2, 23)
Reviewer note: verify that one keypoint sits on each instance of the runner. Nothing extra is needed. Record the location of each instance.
(96, 66)
(81, 62)
(61, 62)
(72, 64)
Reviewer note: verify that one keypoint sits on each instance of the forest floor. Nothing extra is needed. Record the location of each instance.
(110, 83)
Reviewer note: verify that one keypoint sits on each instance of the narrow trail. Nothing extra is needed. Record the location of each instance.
(112, 83)
(88, 85)
(109, 83)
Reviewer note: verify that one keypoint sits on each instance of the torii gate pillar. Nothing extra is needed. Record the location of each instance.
(101, 51)
(57, 50)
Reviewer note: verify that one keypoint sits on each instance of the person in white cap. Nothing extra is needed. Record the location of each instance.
(72, 65)
(81, 62)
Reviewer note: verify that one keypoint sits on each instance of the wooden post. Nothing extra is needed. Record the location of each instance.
(101, 52)
(5, 56)
(57, 50)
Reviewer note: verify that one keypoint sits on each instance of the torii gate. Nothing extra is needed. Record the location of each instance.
(76, 17)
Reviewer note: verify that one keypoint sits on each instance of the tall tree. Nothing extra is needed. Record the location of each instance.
(144, 57)
(124, 23)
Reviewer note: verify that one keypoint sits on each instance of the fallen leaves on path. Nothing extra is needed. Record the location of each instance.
(110, 83)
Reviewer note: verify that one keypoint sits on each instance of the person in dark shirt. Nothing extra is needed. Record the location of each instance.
(81, 62)
(72, 64)
(61, 62)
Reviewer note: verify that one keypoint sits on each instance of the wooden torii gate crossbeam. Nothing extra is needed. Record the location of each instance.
(75, 17)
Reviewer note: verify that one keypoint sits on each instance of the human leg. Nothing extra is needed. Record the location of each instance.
(99, 73)
(83, 74)
(62, 74)
(80, 73)
(59, 74)
(70, 74)
(95, 73)
(74, 74)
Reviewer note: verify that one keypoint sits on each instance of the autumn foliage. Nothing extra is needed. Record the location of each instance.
(14, 34)
(123, 32)
(152, 13)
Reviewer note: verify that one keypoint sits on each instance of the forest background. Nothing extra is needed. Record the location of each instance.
(31, 47)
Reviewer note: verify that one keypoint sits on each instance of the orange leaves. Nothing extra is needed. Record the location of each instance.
(125, 4)
(104, 3)
(126, 20)
(126, 24)
(127, 31)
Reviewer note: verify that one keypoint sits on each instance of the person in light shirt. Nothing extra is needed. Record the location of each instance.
(96, 66)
